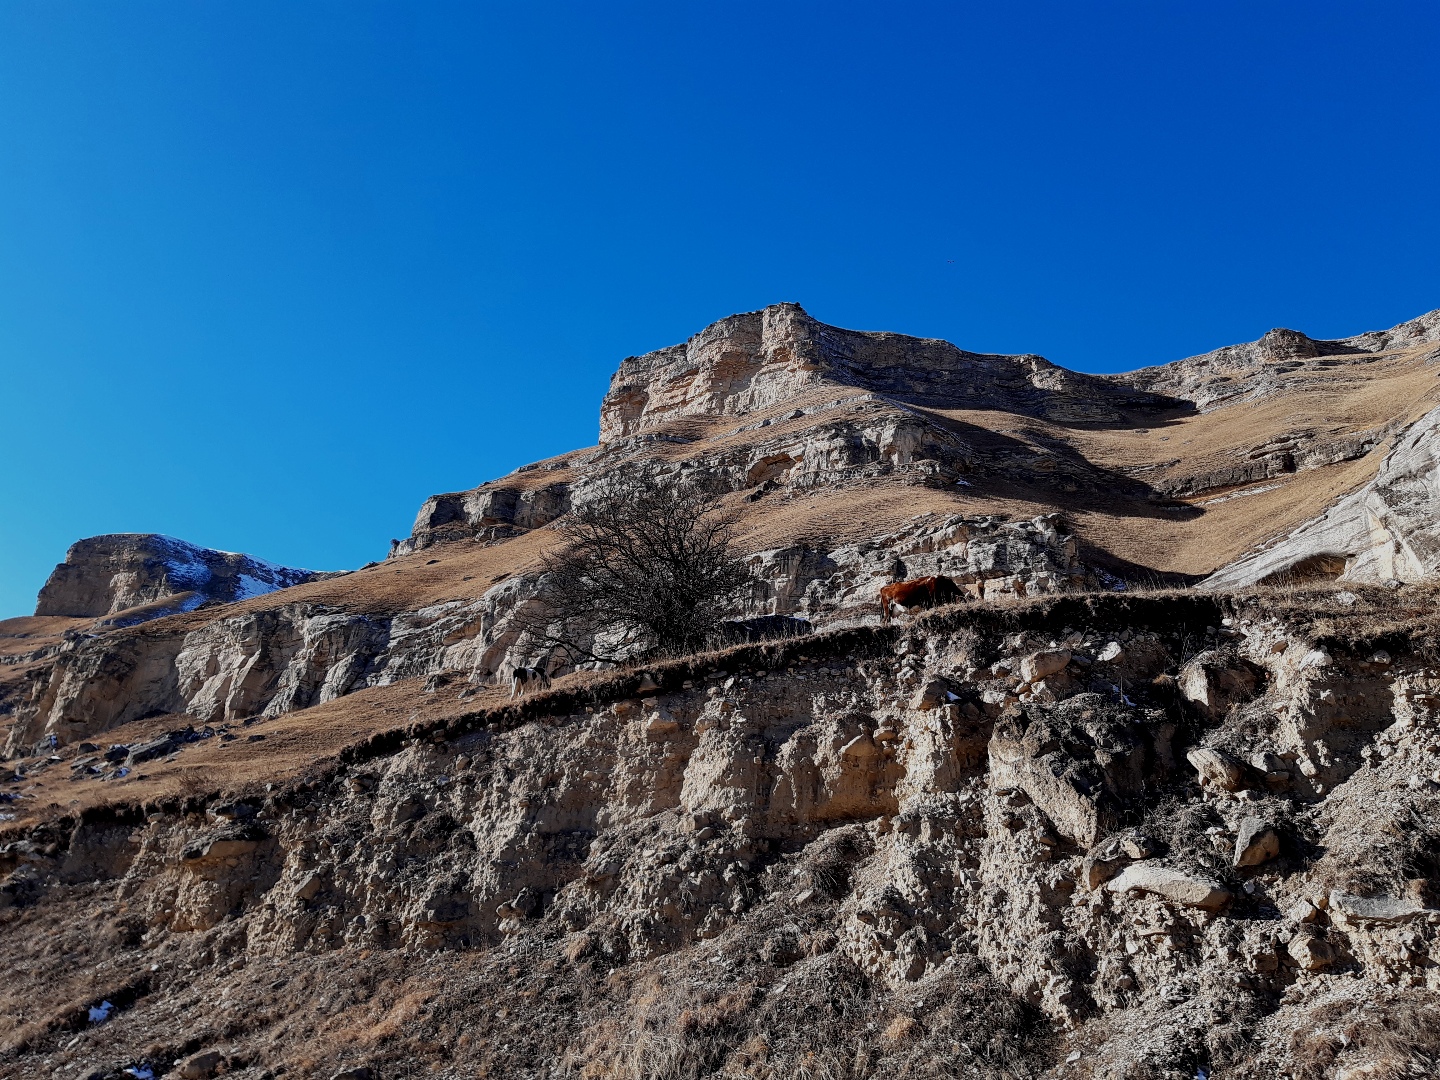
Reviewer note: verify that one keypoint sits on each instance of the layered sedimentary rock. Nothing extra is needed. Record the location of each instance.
(762, 359)
(270, 662)
(1034, 834)
(104, 575)
(820, 408)
(1388, 530)
(907, 812)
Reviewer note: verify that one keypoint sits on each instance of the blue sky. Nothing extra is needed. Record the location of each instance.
(271, 273)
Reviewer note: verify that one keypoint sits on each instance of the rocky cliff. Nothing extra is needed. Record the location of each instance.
(748, 363)
(996, 842)
(1388, 530)
(779, 407)
(120, 573)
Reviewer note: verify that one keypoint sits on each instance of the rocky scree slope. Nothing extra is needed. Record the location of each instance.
(1102, 836)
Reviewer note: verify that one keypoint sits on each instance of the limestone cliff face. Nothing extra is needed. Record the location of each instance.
(856, 405)
(762, 359)
(104, 575)
(1387, 530)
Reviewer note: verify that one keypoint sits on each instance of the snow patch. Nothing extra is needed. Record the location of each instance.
(249, 587)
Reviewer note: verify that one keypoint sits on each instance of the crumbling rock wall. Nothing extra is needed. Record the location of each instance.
(1121, 810)
(257, 664)
(271, 662)
(988, 558)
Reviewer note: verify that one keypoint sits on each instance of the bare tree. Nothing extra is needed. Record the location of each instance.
(647, 569)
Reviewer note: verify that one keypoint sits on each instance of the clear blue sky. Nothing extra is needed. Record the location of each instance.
(271, 273)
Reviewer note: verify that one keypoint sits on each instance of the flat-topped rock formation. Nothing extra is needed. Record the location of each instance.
(147, 575)
(1171, 470)
(756, 361)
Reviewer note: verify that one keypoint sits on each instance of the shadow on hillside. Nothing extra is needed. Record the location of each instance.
(1135, 575)
(1061, 475)
(1090, 403)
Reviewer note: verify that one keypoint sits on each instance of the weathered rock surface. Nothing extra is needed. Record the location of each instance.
(296, 655)
(248, 665)
(863, 814)
(1080, 761)
(104, 575)
(969, 842)
(1251, 370)
(1217, 768)
(1385, 531)
(860, 413)
(760, 359)
(1256, 842)
(1180, 888)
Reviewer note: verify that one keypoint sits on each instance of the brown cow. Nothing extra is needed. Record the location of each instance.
(921, 592)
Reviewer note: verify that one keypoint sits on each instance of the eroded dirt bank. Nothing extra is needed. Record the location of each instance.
(1084, 836)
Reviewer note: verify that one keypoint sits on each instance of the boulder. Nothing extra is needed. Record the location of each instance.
(1215, 680)
(932, 695)
(1040, 665)
(310, 887)
(1111, 855)
(1079, 761)
(1381, 910)
(1217, 768)
(1311, 951)
(1172, 885)
(1256, 842)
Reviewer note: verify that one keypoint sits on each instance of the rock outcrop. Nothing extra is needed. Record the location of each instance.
(106, 575)
(1054, 830)
(1388, 530)
(293, 656)
(762, 359)
(1250, 371)
(857, 412)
